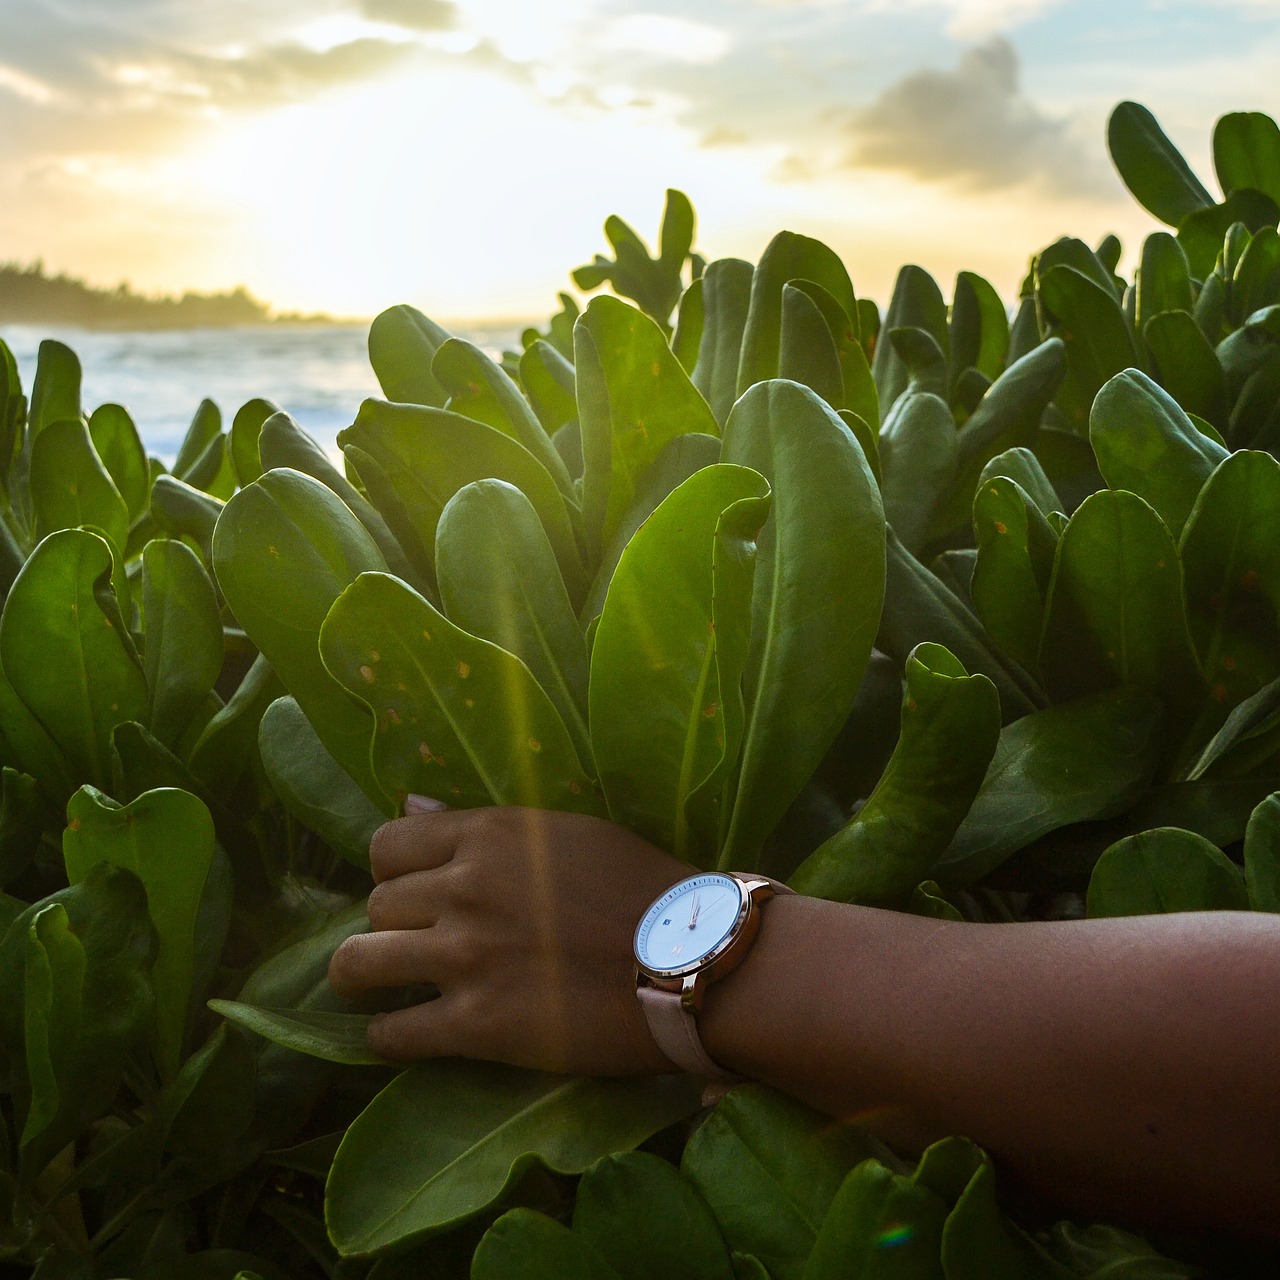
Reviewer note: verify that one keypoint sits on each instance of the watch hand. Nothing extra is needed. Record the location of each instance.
(693, 915)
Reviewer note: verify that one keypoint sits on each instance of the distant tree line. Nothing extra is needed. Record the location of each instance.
(28, 295)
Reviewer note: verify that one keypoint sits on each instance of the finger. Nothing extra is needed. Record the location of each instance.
(431, 1030)
(411, 901)
(396, 958)
(417, 842)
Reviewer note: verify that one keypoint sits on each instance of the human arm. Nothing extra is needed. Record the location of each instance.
(1123, 1068)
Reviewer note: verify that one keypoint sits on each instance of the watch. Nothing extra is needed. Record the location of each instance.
(694, 934)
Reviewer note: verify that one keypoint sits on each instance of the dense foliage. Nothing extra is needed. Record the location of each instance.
(936, 610)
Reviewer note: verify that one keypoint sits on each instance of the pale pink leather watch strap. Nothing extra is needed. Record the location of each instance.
(675, 1028)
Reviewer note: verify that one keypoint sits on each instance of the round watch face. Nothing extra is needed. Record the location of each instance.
(688, 922)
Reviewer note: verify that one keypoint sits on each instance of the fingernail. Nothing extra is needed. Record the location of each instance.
(423, 804)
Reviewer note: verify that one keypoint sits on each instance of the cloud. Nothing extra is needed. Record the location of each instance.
(416, 15)
(968, 19)
(974, 127)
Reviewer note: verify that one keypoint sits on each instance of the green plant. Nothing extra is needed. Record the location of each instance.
(935, 611)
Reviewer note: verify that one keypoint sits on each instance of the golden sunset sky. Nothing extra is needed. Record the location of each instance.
(343, 155)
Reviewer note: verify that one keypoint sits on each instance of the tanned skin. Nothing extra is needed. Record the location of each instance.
(1124, 1069)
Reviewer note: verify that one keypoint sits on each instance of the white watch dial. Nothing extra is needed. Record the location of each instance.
(690, 920)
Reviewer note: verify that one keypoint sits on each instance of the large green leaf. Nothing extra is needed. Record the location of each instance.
(980, 1243)
(182, 511)
(548, 381)
(204, 431)
(726, 295)
(1088, 319)
(26, 743)
(1231, 559)
(881, 1226)
(917, 303)
(919, 607)
(1087, 759)
(166, 839)
(70, 486)
(1201, 234)
(119, 447)
(1164, 279)
(55, 394)
(424, 456)
(1015, 560)
(1165, 870)
(526, 1245)
(225, 747)
(1262, 855)
(787, 257)
(1255, 283)
(818, 594)
(183, 652)
(642, 1218)
(950, 727)
(312, 785)
(453, 716)
(633, 398)
(1151, 166)
(1023, 467)
(499, 581)
(770, 1169)
(1114, 614)
(106, 916)
(1187, 366)
(242, 440)
(66, 652)
(285, 548)
(478, 1126)
(1246, 153)
(1145, 443)
(918, 463)
(320, 1033)
(666, 709)
(480, 389)
(402, 345)
(979, 328)
(807, 351)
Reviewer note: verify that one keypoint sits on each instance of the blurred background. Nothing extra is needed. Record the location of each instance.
(333, 157)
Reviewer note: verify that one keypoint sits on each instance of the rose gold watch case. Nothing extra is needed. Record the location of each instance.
(724, 957)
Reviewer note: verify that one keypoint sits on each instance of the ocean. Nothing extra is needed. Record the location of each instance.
(317, 373)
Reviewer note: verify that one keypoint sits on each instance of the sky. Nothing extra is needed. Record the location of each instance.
(461, 155)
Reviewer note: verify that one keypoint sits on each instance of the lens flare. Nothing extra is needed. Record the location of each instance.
(895, 1235)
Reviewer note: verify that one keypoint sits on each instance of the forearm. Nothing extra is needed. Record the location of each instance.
(1124, 1068)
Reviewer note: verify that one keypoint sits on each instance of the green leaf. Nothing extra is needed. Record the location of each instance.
(334, 1037)
(643, 1219)
(1023, 467)
(204, 431)
(312, 785)
(726, 296)
(770, 1169)
(183, 653)
(478, 1127)
(166, 839)
(881, 1226)
(1255, 283)
(526, 1245)
(1107, 1253)
(688, 335)
(23, 818)
(926, 362)
(787, 257)
(453, 716)
(980, 1243)
(1187, 366)
(1164, 279)
(633, 398)
(1083, 760)
(70, 487)
(184, 512)
(1151, 166)
(1162, 871)
(666, 710)
(1262, 855)
(242, 441)
(119, 447)
(548, 381)
(919, 606)
(55, 394)
(1114, 614)
(1015, 560)
(1092, 326)
(66, 652)
(285, 548)
(950, 727)
(979, 328)
(284, 444)
(402, 345)
(1246, 153)
(26, 743)
(1145, 443)
(917, 303)
(1201, 233)
(226, 745)
(499, 581)
(918, 462)
(1231, 559)
(480, 389)
(818, 593)
(426, 455)
(807, 351)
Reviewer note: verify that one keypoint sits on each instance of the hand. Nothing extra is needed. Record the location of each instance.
(524, 920)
